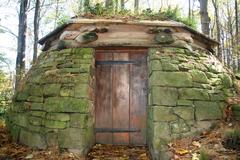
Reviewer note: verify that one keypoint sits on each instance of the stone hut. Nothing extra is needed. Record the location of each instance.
(119, 82)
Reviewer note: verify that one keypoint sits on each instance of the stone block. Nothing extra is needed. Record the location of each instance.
(18, 107)
(21, 96)
(20, 119)
(32, 139)
(226, 80)
(36, 106)
(171, 79)
(161, 130)
(67, 91)
(35, 99)
(72, 138)
(54, 124)
(164, 96)
(36, 90)
(82, 78)
(36, 121)
(36, 128)
(207, 110)
(52, 89)
(14, 132)
(38, 113)
(169, 66)
(161, 114)
(52, 139)
(193, 94)
(186, 66)
(80, 120)
(184, 102)
(81, 91)
(199, 76)
(155, 65)
(64, 104)
(218, 96)
(179, 127)
(186, 113)
(58, 116)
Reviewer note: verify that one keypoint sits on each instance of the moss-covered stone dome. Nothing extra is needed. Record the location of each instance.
(55, 104)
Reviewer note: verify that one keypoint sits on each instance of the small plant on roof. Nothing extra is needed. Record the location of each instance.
(98, 10)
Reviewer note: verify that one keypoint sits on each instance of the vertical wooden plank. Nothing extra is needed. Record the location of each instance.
(121, 99)
(103, 109)
(138, 98)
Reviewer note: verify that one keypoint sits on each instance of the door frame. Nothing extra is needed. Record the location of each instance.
(143, 50)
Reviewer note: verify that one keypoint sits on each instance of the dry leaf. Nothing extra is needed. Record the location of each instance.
(196, 144)
(195, 156)
(182, 151)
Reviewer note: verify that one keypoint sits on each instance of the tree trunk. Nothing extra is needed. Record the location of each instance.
(236, 19)
(56, 14)
(136, 6)
(86, 5)
(219, 48)
(36, 29)
(122, 5)
(21, 45)
(116, 6)
(205, 20)
(109, 3)
(189, 10)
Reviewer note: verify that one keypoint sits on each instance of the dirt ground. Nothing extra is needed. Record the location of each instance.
(209, 142)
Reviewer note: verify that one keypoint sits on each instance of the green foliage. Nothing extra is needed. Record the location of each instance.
(2, 30)
(203, 156)
(232, 134)
(98, 10)
(63, 18)
(6, 91)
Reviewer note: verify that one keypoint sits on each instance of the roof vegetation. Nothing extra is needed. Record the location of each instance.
(170, 13)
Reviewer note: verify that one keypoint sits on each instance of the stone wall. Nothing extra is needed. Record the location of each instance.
(54, 103)
(187, 93)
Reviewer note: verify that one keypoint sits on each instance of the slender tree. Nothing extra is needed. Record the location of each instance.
(56, 13)
(122, 4)
(237, 23)
(189, 10)
(216, 10)
(205, 20)
(109, 3)
(86, 5)
(36, 29)
(136, 6)
(21, 44)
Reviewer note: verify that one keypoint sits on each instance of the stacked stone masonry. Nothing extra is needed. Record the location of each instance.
(54, 104)
(187, 93)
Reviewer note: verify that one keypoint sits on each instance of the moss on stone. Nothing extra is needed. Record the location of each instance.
(171, 79)
(54, 124)
(207, 110)
(193, 94)
(163, 114)
(164, 96)
(64, 104)
(58, 116)
(52, 89)
(199, 76)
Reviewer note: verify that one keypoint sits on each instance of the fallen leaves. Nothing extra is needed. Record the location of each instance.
(118, 152)
(209, 142)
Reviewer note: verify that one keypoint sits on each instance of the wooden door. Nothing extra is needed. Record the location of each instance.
(121, 96)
